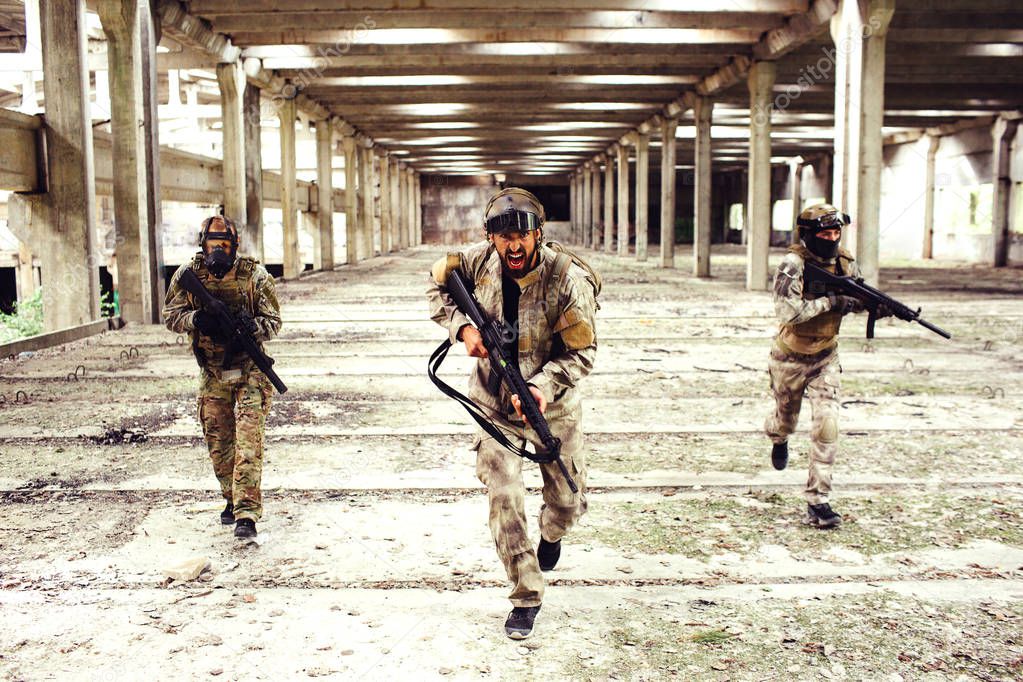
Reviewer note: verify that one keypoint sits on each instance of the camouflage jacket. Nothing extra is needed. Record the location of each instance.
(180, 307)
(567, 310)
(795, 311)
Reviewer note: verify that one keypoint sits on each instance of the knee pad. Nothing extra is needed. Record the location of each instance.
(826, 431)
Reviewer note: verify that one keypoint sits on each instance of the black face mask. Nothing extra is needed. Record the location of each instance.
(822, 248)
(219, 262)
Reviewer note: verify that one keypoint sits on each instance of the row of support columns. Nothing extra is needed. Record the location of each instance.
(859, 29)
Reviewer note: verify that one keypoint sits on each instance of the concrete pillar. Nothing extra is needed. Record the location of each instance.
(19, 221)
(351, 199)
(417, 190)
(252, 230)
(573, 208)
(231, 78)
(859, 30)
(642, 195)
(367, 223)
(135, 188)
(932, 151)
(386, 228)
(623, 200)
(703, 112)
(668, 128)
(410, 205)
(67, 212)
(609, 201)
(149, 37)
(796, 194)
(1002, 133)
(293, 265)
(596, 225)
(587, 207)
(758, 226)
(325, 194)
(400, 238)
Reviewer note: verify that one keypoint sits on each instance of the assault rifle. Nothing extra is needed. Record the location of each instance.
(819, 282)
(493, 333)
(232, 329)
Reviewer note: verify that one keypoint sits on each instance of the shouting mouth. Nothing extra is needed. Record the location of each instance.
(516, 261)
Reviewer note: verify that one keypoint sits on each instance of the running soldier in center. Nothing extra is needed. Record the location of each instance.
(234, 440)
(804, 358)
(548, 303)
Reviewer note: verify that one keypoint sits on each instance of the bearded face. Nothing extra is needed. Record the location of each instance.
(517, 251)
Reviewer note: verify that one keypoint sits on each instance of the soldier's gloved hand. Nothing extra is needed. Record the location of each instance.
(217, 308)
(207, 324)
(845, 304)
(883, 311)
(248, 324)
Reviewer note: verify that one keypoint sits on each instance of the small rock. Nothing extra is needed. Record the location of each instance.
(217, 671)
(348, 652)
(522, 651)
(625, 569)
(445, 671)
(190, 569)
(533, 644)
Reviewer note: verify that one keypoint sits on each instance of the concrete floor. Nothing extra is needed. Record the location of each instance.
(374, 560)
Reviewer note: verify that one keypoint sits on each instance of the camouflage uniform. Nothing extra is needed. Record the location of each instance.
(804, 359)
(235, 441)
(556, 348)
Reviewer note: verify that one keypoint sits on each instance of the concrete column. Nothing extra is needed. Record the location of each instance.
(367, 224)
(325, 193)
(596, 225)
(703, 112)
(642, 195)
(67, 212)
(149, 36)
(351, 200)
(309, 223)
(668, 128)
(859, 29)
(609, 202)
(400, 238)
(417, 190)
(19, 221)
(386, 229)
(796, 194)
(932, 151)
(623, 200)
(231, 78)
(573, 208)
(410, 205)
(587, 208)
(1002, 133)
(758, 226)
(252, 230)
(289, 205)
(133, 183)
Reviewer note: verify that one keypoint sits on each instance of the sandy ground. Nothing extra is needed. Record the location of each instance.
(374, 560)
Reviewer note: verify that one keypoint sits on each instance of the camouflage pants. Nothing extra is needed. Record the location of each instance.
(817, 376)
(501, 472)
(235, 440)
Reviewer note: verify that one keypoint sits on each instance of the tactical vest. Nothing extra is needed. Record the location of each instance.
(237, 290)
(821, 331)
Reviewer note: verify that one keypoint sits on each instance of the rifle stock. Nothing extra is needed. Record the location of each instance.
(237, 337)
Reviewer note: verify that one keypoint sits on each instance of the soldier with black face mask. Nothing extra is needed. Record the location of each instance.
(804, 358)
(234, 437)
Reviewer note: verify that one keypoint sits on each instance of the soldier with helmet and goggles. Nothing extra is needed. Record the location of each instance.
(804, 357)
(234, 395)
(547, 304)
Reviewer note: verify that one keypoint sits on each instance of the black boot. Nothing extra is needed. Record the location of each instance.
(780, 455)
(227, 516)
(245, 528)
(519, 624)
(822, 516)
(548, 554)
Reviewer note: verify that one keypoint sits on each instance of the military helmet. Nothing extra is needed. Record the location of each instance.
(513, 210)
(219, 227)
(821, 217)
